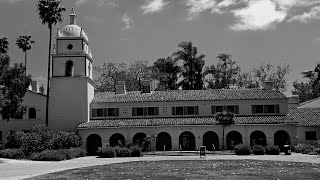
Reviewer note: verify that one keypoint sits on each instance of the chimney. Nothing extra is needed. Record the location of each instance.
(120, 87)
(293, 101)
(35, 86)
(146, 86)
(268, 85)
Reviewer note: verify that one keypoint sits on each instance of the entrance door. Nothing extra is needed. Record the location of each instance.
(187, 141)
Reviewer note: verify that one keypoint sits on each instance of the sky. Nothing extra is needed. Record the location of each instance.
(252, 31)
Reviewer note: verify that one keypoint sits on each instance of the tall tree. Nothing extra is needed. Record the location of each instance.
(192, 65)
(276, 74)
(137, 71)
(222, 75)
(108, 76)
(224, 118)
(50, 12)
(4, 45)
(24, 43)
(167, 73)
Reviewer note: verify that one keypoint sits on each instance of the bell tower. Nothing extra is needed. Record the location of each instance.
(71, 84)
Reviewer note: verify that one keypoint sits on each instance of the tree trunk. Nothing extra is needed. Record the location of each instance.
(48, 78)
(25, 63)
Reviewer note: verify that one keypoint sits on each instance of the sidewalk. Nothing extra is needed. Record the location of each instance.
(19, 169)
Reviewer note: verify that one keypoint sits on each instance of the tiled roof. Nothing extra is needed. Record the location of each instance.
(182, 121)
(311, 103)
(187, 95)
(306, 116)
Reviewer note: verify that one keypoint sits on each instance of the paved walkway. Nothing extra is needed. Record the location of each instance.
(19, 169)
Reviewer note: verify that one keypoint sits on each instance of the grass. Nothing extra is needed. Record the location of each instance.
(198, 169)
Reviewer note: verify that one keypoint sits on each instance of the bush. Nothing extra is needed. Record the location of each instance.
(65, 140)
(258, 150)
(317, 151)
(122, 152)
(76, 152)
(135, 151)
(242, 149)
(308, 149)
(12, 154)
(107, 152)
(13, 140)
(49, 155)
(316, 144)
(299, 147)
(272, 150)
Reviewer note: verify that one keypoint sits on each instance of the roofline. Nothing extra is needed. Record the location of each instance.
(37, 93)
(306, 102)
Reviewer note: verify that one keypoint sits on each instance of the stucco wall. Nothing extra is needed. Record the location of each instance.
(59, 65)
(301, 136)
(63, 43)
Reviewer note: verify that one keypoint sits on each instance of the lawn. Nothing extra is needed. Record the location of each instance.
(198, 169)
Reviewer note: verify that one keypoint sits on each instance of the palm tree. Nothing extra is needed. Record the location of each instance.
(192, 65)
(24, 42)
(4, 45)
(167, 73)
(50, 12)
(224, 118)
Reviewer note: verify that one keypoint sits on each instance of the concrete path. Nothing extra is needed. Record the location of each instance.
(19, 169)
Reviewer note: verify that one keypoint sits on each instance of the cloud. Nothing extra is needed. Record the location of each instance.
(314, 13)
(153, 6)
(258, 15)
(80, 2)
(195, 7)
(10, 1)
(93, 19)
(99, 3)
(128, 22)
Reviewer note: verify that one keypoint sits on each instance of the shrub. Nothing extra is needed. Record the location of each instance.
(13, 139)
(299, 147)
(1, 146)
(107, 152)
(317, 151)
(242, 149)
(65, 140)
(49, 155)
(33, 142)
(272, 150)
(308, 149)
(316, 144)
(12, 154)
(258, 150)
(135, 151)
(122, 152)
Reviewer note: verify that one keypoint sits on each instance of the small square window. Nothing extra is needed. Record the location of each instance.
(311, 135)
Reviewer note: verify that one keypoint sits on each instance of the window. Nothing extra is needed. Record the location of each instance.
(267, 109)
(32, 113)
(69, 68)
(311, 135)
(185, 110)
(70, 46)
(105, 112)
(145, 111)
(231, 108)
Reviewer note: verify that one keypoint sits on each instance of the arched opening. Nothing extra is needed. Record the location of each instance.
(32, 113)
(187, 141)
(233, 138)
(139, 138)
(211, 138)
(258, 138)
(117, 139)
(93, 143)
(281, 138)
(163, 141)
(69, 68)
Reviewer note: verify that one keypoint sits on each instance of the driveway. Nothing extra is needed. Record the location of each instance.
(19, 169)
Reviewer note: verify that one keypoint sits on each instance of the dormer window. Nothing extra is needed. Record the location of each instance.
(69, 68)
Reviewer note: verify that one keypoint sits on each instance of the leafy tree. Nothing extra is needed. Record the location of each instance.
(223, 74)
(138, 71)
(109, 75)
(24, 43)
(268, 72)
(192, 66)
(3, 45)
(167, 73)
(246, 80)
(50, 12)
(224, 118)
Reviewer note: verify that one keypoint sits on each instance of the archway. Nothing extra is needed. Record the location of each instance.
(139, 138)
(32, 113)
(187, 141)
(93, 142)
(281, 138)
(233, 138)
(258, 138)
(163, 139)
(211, 138)
(117, 139)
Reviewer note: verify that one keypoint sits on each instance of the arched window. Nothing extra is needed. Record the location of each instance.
(32, 113)
(69, 68)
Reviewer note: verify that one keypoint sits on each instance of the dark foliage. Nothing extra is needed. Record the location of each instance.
(12, 154)
(258, 150)
(13, 140)
(242, 149)
(135, 151)
(272, 150)
(65, 140)
(107, 152)
(122, 152)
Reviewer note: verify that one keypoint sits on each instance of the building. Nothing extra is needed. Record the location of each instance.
(174, 120)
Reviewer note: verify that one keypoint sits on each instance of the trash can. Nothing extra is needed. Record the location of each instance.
(287, 150)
